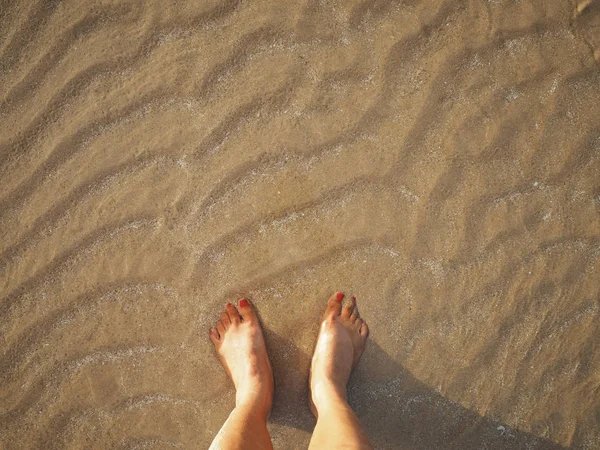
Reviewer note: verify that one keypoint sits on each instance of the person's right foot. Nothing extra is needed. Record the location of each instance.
(340, 344)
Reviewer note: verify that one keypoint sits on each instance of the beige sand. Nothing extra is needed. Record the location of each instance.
(439, 160)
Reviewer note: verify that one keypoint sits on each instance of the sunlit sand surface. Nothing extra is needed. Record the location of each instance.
(438, 160)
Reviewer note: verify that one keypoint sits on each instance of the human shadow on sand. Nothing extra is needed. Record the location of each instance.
(397, 410)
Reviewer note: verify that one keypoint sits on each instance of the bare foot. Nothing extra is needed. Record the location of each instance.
(241, 347)
(340, 344)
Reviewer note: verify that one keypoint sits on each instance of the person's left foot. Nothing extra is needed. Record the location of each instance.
(241, 347)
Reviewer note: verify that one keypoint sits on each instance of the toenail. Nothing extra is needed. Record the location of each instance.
(353, 298)
(243, 303)
(228, 305)
(339, 296)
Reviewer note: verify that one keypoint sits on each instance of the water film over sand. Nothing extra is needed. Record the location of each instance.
(439, 160)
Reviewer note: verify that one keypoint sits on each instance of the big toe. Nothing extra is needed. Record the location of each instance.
(246, 311)
(334, 305)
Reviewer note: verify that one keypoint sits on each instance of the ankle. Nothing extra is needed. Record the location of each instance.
(327, 395)
(260, 409)
(257, 398)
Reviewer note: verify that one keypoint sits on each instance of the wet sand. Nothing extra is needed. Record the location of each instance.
(438, 160)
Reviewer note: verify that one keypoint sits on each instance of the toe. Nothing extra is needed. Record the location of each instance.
(214, 335)
(349, 309)
(225, 320)
(220, 328)
(354, 317)
(358, 324)
(364, 331)
(234, 316)
(246, 311)
(334, 304)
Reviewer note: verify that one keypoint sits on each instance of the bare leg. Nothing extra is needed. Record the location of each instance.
(241, 347)
(340, 344)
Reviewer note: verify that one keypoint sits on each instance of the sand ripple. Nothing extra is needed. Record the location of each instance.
(440, 160)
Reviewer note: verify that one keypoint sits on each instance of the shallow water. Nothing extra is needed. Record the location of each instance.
(439, 160)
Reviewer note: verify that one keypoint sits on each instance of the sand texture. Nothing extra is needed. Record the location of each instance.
(438, 159)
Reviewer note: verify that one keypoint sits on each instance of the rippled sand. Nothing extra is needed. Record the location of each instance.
(439, 160)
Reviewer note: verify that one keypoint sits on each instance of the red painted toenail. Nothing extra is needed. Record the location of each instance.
(339, 296)
(353, 298)
(228, 305)
(243, 303)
